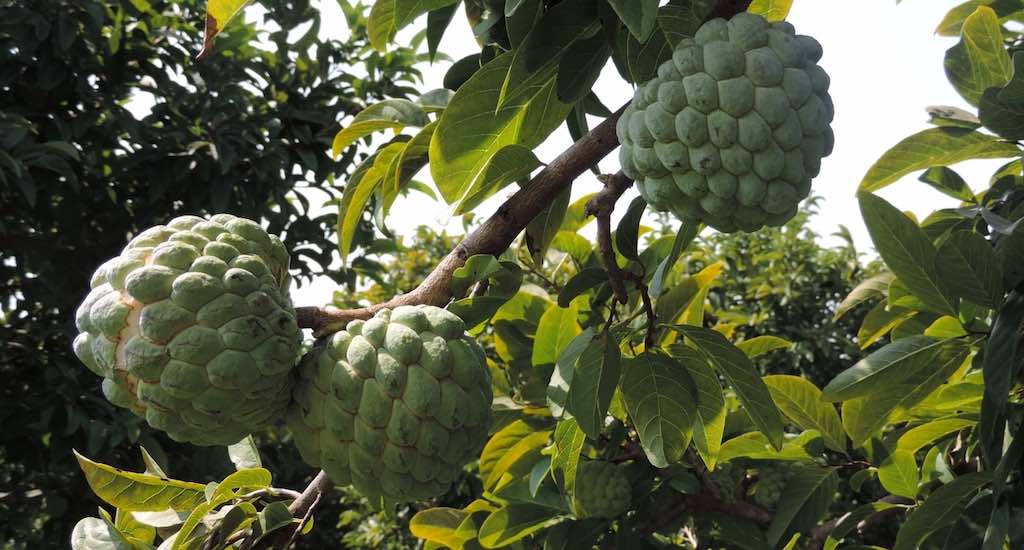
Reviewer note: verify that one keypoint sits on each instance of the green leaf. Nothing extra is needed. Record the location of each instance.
(969, 268)
(883, 368)
(772, 10)
(879, 321)
(679, 22)
(805, 499)
(580, 283)
(575, 216)
(408, 10)
(581, 66)
(979, 61)
(365, 180)
(440, 525)
(218, 14)
(907, 251)
(380, 26)
(629, 228)
(139, 492)
(543, 228)
(737, 369)
(1000, 367)
(942, 508)
(437, 22)
(98, 534)
(513, 523)
(934, 147)
(593, 384)
(569, 441)
(898, 474)
(557, 327)
(477, 268)
(390, 113)
(869, 289)
(240, 482)
(245, 454)
(918, 437)
(849, 521)
(760, 345)
(755, 446)
(1005, 119)
(800, 401)
(687, 233)
(657, 393)
(643, 58)
(525, 449)
(953, 22)
(565, 366)
(550, 39)
(510, 163)
(135, 530)
(500, 443)
(640, 16)
(709, 424)
(948, 182)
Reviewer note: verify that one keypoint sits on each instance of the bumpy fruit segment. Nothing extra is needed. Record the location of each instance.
(395, 405)
(191, 328)
(733, 128)
(602, 490)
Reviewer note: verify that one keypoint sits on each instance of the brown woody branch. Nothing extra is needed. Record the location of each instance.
(601, 207)
(493, 237)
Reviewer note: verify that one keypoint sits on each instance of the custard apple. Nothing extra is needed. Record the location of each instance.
(733, 128)
(191, 328)
(395, 405)
(602, 490)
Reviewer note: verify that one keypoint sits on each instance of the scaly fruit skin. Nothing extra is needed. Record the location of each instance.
(733, 128)
(395, 405)
(191, 327)
(602, 490)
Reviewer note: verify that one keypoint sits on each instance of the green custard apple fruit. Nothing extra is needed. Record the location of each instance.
(733, 128)
(602, 490)
(191, 327)
(394, 405)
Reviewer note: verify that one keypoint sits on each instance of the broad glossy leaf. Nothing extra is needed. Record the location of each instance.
(500, 443)
(569, 439)
(139, 492)
(659, 397)
(709, 424)
(381, 26)
(801, 402)
(948, 182)
(581, 66)
(640, 16)
(880, 321)
(737, 369)
(772, 10)
(513, 523)
(408, 10)
(979, 61)
(884, 367)
(558, 326)
(805, 499)
(509, 164)
(581, 283)
(643, 58)
(934, 147)
(1000, 367)
(953, 22)
(899, 474)
(760, 345)
(687, 232)
(218, 14)
(918, 437)
(364, 182)
(943, 507)
(594, 383)
(868, 289)
(755, 446)
(473, 129)
(524, 451)
(627, 233)
(440, 525)
(968, 265)
(907, 251)
(542, 229)
(389, 113)
(565, 367)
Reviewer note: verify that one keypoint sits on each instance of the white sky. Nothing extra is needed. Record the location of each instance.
(885, 64)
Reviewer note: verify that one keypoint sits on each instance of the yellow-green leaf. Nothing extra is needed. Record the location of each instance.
(709, 426)
(218, 14)
(979, 61)
(772, 10)
(440, 525)
(759, 345)
(899, 474)
(135, 492)
(800, 401)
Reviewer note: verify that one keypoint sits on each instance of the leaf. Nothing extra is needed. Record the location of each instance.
(805, 499)
(658, 396)
(543, 228)
(969, 268)
(898, 474)
(800, 401)
(626, 234)
(406, 11)
(500, 443)
(934, 147)
(979, 61)
(218, 14)
(389, 113)
(947, 182)
(906, 250)
(565, 366)
(581, 283)
(135, 530)
(755, 446)
(942, 508)
(245, 454)
(514, 522)
(364, 181)
(1000, 108)
(569, 441)
(477, 267)
(437, 22)
(947, 115)
(709, 422)
(527, 447)
(511, 163)
(1000, 366)
(380, 26)
(918, 437)
(879, 321)
(849, 521)
(98, 534)
(575, 216)
(557, 327)
(593, 384)
(581, 66)
(640, 16)
(440, 525)
(883, 368)
(737, 369)
(869, 289)
(643, 58)
(139, 492)
(953, 22)
(687, 232)
(760, 345)
(772, 10)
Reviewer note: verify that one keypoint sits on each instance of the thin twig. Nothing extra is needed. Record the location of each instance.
(601, 207)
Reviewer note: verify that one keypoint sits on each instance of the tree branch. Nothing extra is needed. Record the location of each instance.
(493, 237)
(601, 207)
